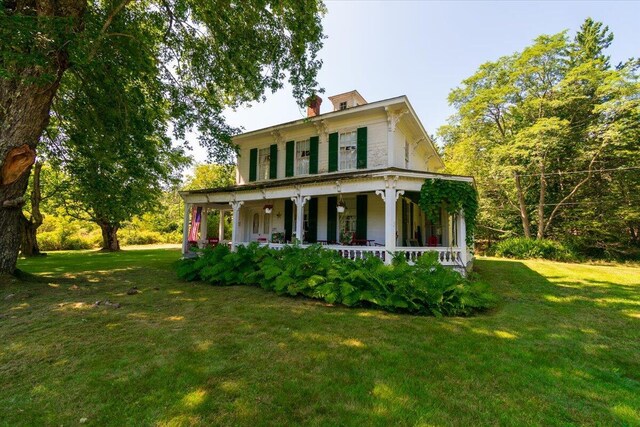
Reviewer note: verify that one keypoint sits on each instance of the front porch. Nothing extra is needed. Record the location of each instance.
(356, 215)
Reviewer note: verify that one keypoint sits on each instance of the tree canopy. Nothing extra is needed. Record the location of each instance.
(550, 134)
(120, 75)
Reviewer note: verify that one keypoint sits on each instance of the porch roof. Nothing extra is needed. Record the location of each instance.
(327, 177)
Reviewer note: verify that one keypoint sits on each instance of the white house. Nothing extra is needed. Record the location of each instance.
(348, 179)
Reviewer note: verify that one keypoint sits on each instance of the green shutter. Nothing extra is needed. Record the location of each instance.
(313, 154)
(362, 148)
(312, 232)
(253, 164)
(288, 220)
(333, 152)
(361, 217)
(288, 169)
(332, 219)
(273, 161)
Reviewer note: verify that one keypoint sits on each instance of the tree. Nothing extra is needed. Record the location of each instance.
(537, 127)
(208, 55)
(29, 225)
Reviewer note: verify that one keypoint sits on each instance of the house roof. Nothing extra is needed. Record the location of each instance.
(312, 179)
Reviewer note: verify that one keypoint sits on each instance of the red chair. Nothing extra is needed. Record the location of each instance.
(433, 241)
(213, 242)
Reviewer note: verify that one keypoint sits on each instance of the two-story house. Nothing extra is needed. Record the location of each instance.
(348, 179)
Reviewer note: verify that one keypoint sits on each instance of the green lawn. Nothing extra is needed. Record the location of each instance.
(562, 347)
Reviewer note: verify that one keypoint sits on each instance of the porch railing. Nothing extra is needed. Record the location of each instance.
(446, 255)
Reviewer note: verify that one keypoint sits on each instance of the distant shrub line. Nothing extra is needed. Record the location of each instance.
(424, 288)
(523, 248)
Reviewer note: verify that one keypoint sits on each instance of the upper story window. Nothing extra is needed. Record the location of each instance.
(264, 158)
(302, 157)
(347, 156)
(343, 105)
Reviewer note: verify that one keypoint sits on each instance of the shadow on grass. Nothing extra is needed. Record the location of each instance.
(556, 351)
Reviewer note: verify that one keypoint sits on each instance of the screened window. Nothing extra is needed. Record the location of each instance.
(302, 157)
(347, 155)
(264, 158)
(343, 105)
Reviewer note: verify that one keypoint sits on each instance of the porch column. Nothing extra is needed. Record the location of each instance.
(203, 225)
(390, 198)
(185, 228)
(300, 201)
(462, 238)
(236, 219)
(221, 226)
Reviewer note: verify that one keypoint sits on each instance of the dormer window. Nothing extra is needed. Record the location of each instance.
(343, 105)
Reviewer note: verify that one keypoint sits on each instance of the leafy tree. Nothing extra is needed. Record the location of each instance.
(540, 127)
(211, 176)
(193, 57)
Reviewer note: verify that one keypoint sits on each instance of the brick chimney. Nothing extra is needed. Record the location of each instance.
(313, 106)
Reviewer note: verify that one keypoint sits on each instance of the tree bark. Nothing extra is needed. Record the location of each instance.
(24, 115)
(30, 226)
(543, 193)
(524, 215)
(109, 237)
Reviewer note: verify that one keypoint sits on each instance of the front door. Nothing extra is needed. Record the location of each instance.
(259, 226)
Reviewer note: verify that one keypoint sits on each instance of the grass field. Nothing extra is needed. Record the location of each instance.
(561, 348)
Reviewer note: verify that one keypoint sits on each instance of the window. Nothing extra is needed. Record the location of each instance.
(347, 153)
(343, 105)
(264, 158)
(302, 157)
(348, 218)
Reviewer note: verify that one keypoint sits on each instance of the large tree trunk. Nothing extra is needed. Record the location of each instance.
(109, 237)
(24, 114)
(30, 226)
(524, 215)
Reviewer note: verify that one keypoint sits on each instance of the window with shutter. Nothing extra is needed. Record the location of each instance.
(273, 161)
(253, 164)
(289, 160)
(362, 148)
(313, 154)
(333, 152)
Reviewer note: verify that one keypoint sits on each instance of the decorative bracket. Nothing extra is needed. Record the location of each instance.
(277, 136)
(235, 205)
(338, 187)
(264, 193)
(381, 194)
(398, 194)
(393, 117)
(300, 200)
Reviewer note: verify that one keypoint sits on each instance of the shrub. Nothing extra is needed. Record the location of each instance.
(424, 288)
(59, 240)
(140, 237)
(522, 248)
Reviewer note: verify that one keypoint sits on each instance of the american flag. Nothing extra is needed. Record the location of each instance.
(196, 216)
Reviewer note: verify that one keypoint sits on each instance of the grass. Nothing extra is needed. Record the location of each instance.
(562, 348)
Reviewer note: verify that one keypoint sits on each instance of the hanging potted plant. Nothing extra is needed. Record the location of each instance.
(341, 206)
(268, 209)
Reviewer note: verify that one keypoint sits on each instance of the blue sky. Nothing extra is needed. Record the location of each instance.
(423, 49)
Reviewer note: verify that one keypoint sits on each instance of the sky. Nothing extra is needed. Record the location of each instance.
(423, 49)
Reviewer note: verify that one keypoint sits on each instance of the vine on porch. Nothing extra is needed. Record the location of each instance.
(455, 196)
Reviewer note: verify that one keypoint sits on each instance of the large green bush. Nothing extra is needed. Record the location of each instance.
(424, 288)
(522, 248)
